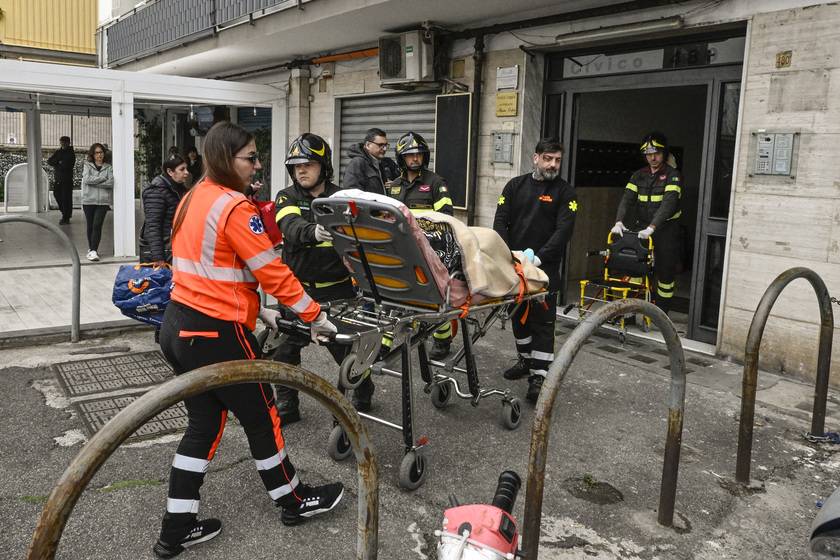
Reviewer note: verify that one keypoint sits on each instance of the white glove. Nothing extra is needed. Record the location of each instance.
(321, 328)
(619, 229)
(321, 234)
(270, 316)
(645, 233)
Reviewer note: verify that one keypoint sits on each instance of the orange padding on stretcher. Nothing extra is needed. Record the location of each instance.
(365, 233)
(389, 282)
(377, 259)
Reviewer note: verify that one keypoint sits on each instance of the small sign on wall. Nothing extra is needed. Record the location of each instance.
(783, 59)
(507, 78)
(506, 104)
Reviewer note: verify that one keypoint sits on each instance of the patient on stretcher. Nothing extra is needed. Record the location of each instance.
(468, 263)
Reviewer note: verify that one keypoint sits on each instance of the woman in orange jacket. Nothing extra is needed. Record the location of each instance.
(221, 254)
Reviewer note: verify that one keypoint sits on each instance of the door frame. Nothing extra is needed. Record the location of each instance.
(712, 77)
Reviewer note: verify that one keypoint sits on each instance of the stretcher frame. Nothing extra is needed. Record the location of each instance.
(373, 240)
(628, 269)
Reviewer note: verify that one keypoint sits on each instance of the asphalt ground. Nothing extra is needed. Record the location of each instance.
(607, 440)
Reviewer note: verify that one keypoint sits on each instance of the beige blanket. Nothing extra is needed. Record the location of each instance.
(489, 266)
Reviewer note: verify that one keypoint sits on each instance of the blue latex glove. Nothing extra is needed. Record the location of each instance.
(529, 253)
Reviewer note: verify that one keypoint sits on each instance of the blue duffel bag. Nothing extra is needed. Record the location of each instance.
(142, 291)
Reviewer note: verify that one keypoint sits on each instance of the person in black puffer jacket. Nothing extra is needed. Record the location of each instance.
(160, 200)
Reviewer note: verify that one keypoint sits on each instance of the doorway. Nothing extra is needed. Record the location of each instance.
(602, 121)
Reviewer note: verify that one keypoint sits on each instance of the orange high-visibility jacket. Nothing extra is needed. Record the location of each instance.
(221, 254)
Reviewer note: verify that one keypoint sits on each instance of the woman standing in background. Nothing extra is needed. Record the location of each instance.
(97, 195)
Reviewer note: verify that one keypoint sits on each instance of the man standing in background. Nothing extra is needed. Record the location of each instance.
(369, 170)
(63, 161)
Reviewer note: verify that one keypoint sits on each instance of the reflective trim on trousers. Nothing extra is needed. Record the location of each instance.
(191, 464)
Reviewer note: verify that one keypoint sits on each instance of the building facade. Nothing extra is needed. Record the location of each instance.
(746, 93)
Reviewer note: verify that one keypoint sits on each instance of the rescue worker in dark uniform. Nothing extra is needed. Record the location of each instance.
(536, 215)
(654, 194)
(220, 256)
(309, 253)
(422, 190)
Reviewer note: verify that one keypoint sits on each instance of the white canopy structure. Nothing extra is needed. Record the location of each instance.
(28, 85)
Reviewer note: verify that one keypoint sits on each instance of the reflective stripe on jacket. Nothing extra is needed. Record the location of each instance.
(221, 254)
(656, 196)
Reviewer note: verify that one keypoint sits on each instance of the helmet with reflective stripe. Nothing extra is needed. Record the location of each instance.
(310, 147)
(412, 143)
(653, 143)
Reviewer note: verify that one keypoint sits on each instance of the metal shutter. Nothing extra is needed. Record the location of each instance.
(396, 114)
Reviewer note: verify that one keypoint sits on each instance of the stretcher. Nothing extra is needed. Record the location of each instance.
(406, 293)
(628, 269)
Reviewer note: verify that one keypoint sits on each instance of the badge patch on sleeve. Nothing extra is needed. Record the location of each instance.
(425, 188)
(256, 225)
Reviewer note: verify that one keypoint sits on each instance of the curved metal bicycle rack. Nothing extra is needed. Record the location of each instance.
(77, 476)
(545, 407)
(75, 329)
(762, 312)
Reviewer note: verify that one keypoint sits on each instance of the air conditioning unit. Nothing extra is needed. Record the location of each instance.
(406, 58)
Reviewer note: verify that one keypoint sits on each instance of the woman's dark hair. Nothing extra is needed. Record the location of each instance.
(93, 149)
(222, 142)
(173, 162)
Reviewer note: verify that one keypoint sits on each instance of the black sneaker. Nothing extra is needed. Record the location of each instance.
(534, 386)
(520, 370)
(63, 222)
(440, 348)
(201, 532)
(363, 394)
(316, 499)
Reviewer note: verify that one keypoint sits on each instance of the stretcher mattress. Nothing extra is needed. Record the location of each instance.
(488, 267)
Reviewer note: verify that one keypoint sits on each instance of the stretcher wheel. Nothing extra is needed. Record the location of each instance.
(442, 394)
(511, 413)
(262, 339)
(413, 470)
(646, 323)
(340, 447)
(622, 338)
(349, 381)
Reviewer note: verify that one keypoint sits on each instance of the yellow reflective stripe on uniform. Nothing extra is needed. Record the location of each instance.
(325, 244)
(656, 198)
(676, 188)
(643, 198)
(677, 215)
(442, 202)
(323, 284)
(632, 187)
(285, 211)
(665, 286)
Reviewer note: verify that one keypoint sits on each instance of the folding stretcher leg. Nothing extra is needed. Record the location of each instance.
(413, 468)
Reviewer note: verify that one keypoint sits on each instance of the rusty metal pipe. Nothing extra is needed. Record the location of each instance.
(545, 406)
(77, 476)
(76, 288)
(751, 359)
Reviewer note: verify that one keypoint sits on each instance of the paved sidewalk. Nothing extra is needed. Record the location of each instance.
(609, 427)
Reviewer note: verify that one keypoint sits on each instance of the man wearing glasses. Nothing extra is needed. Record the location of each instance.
(369, 169)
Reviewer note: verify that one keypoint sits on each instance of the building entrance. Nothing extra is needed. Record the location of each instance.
(602, 121)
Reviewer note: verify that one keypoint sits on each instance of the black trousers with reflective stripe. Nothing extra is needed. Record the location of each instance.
(666, 251)
(539, 326)
(190, 340)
